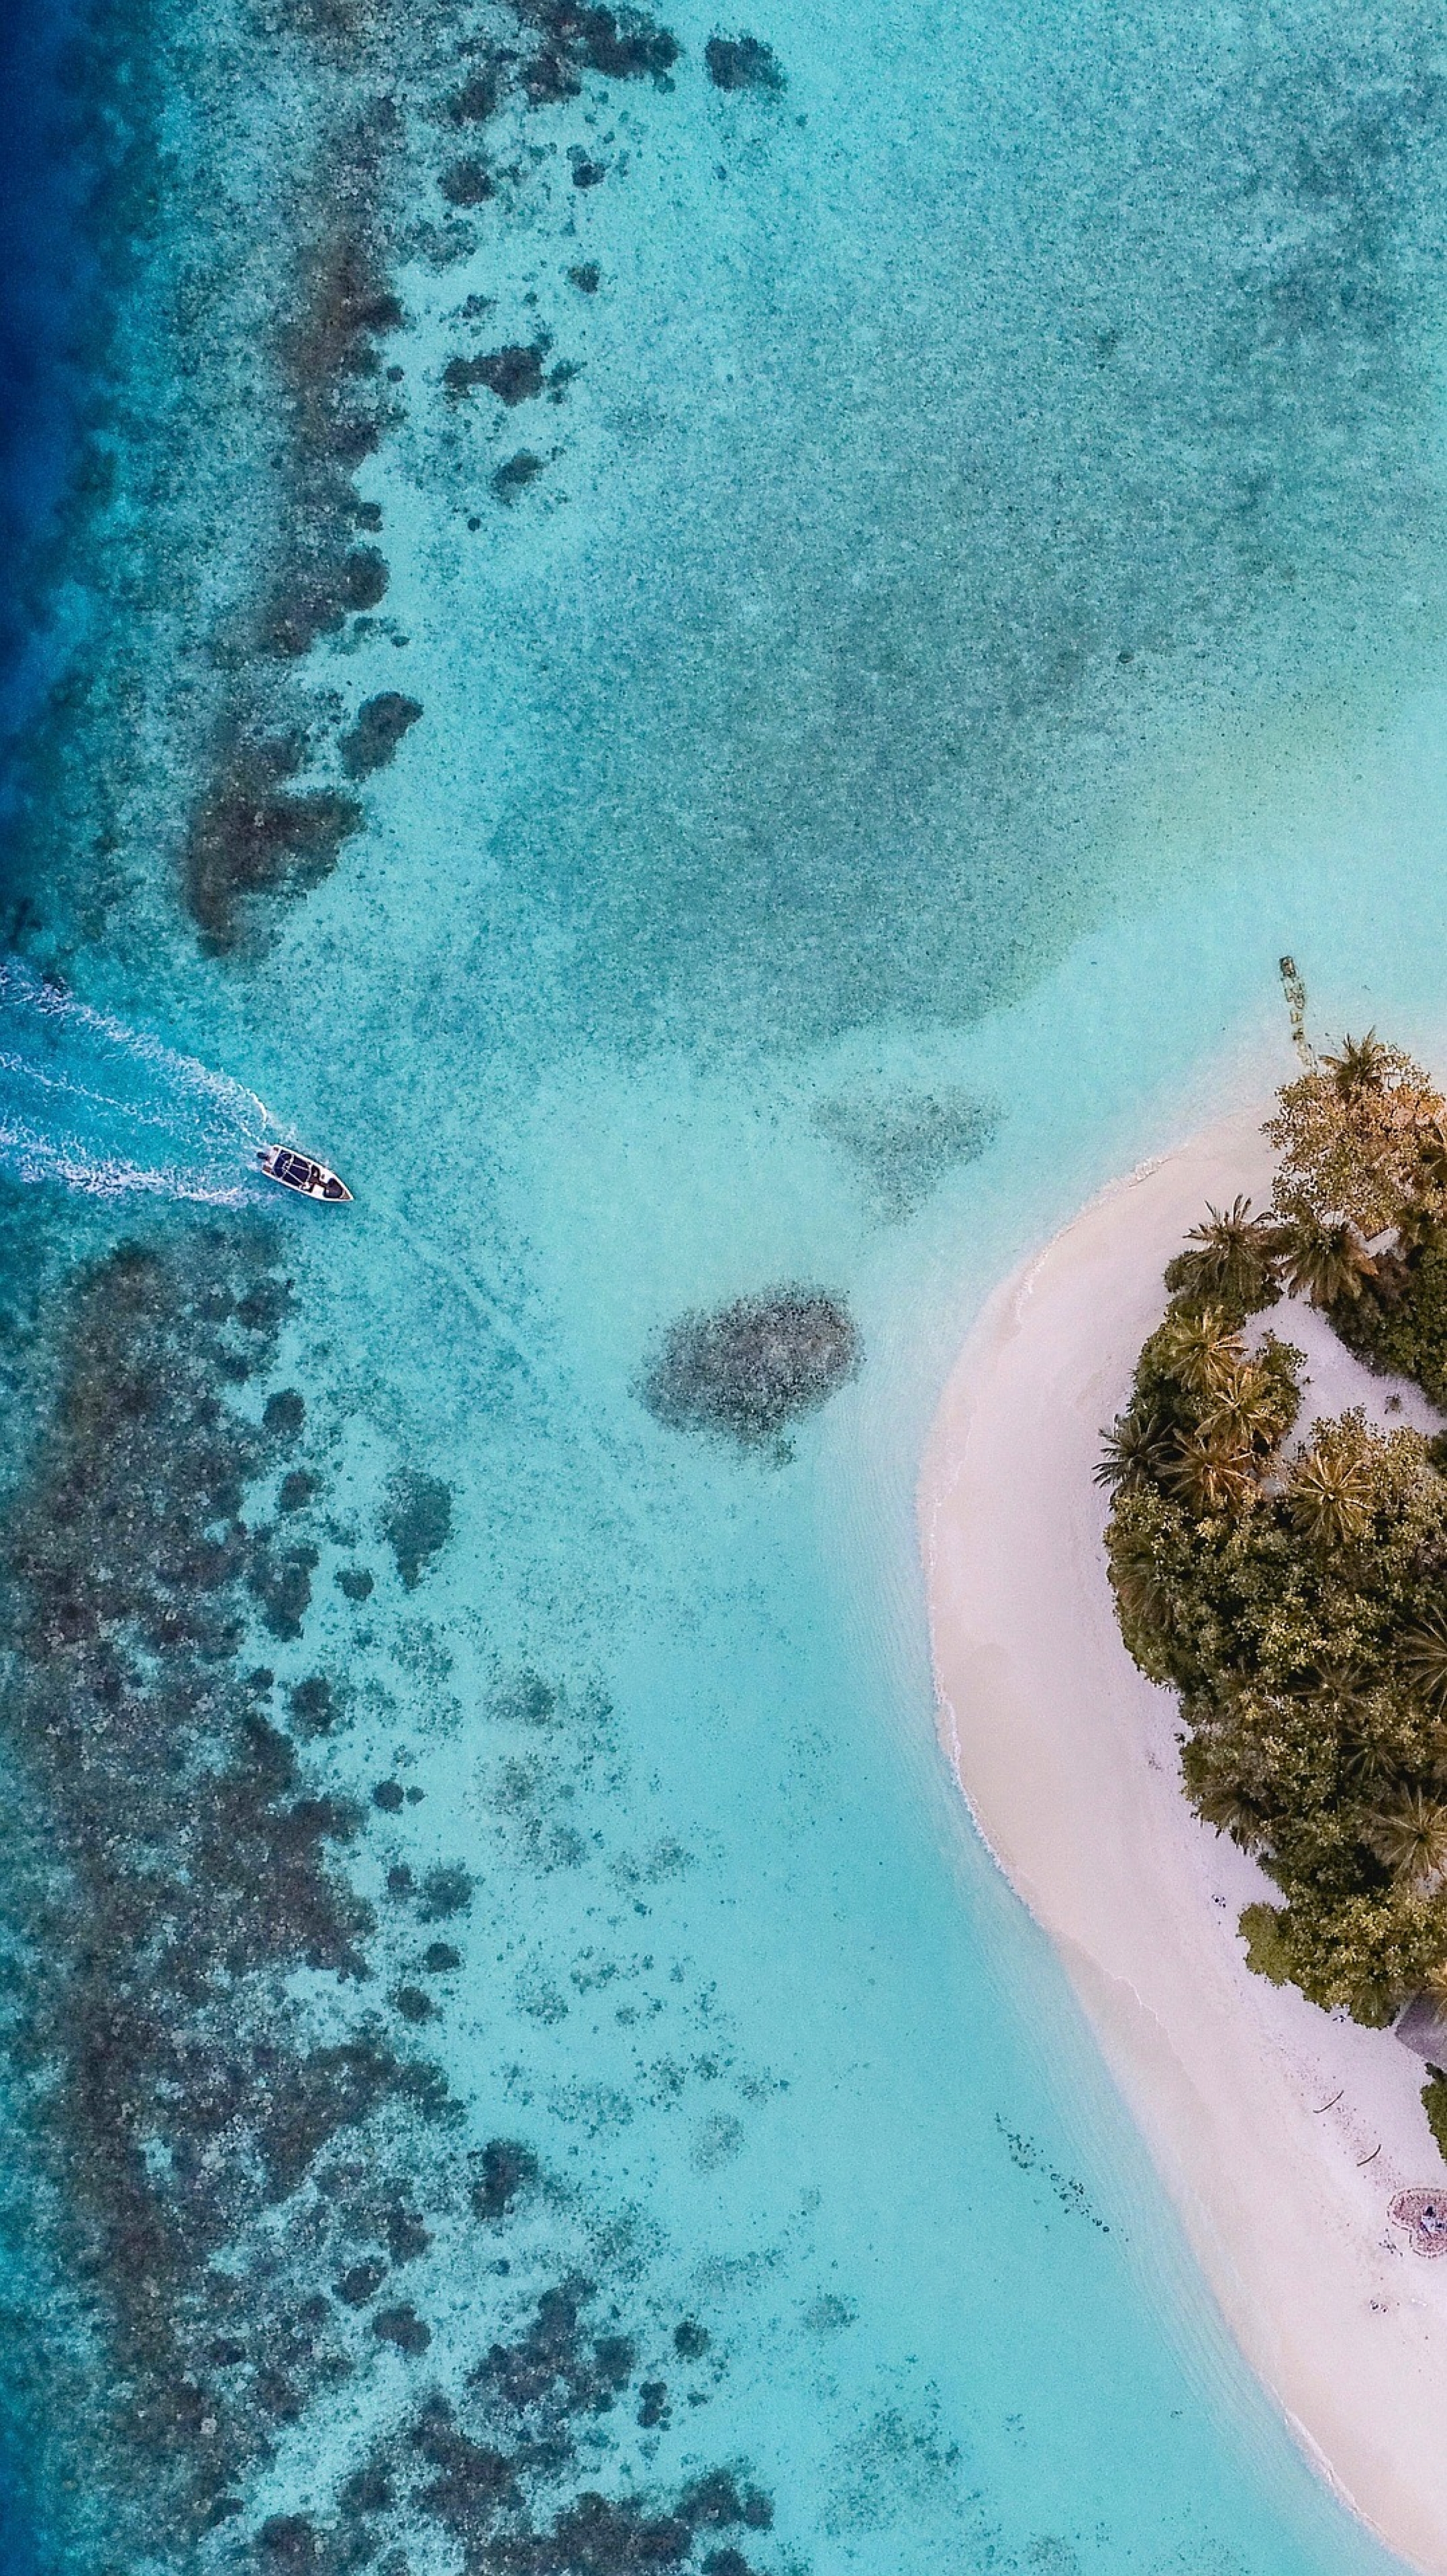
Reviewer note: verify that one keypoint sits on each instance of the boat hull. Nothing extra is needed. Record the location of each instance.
(302, 1174)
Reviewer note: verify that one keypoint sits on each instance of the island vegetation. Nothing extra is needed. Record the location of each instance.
(1289, 1581)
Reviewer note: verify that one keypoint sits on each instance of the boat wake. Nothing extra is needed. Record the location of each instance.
(112, 1111)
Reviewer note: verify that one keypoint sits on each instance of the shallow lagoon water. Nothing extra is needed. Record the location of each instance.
(985, 604)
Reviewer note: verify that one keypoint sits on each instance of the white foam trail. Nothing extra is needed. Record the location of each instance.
(63, 1050)
(47, 1158)
(139, 1044)
(32, 1073)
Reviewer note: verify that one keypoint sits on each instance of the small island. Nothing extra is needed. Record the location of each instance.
(1242, 1594)
(1293, 1589)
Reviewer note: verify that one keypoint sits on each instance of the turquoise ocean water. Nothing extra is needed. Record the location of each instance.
(893, 568)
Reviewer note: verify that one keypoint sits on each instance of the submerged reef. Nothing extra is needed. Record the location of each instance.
(388, 95)
(177, 1861)
(186, 1864)
(417, 1522)
(240, 2183)
(904, 1147)
(514, 374)
(622, 44)
(382, 723)
(749, 1369)
(742, 62)
(258, 834)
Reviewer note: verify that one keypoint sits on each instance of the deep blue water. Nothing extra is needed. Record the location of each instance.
(47, 271)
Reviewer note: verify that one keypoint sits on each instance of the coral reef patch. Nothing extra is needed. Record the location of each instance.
(185, 2098)
(904, 1147)
(238, 2182)
(742, 62)
(381, 724)
(259, 835)
(417, 1522)
(271, 819)
(751, 1368)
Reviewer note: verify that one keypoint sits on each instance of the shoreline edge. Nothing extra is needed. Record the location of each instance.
(1066, 1757)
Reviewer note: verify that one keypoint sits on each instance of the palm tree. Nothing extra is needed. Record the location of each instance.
(1424, 1659)
(1410, 1835)
(1228, 1807)
(1200, 1351)
(1366, 1766)
(1134, 1450)
(1324, 1261)
(1232, 1258)
(1142, 1592)
(1211, 1476)
(1362, 1065)
(1330, 1493)
(1249, 1410)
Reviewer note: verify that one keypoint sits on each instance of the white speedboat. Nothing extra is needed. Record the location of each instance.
(312, 1180)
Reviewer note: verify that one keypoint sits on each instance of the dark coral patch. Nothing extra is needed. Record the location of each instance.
(413, 2004)
(494, 2468)
(323, 588)
(445, 1891)
(185, 2096)
(622, 44)
(257, 835)
(381, 725)
(289, 2542)
(556, 2366)
(416, 1522)
(313, 1705)
(478, 98)
(468, 183)
(742, 62)
(587, 277)
(514, 373)
(344, 306)
(361, 2282)
(403, 2327)
(506, 2171)
(516, 474)
(714, 2502)
(751, 1368)
(280, 1578)
(284, 1413)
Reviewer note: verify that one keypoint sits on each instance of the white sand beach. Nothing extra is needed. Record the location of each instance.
(1067, 1756)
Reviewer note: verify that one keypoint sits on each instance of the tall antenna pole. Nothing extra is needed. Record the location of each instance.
(1295, 991)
